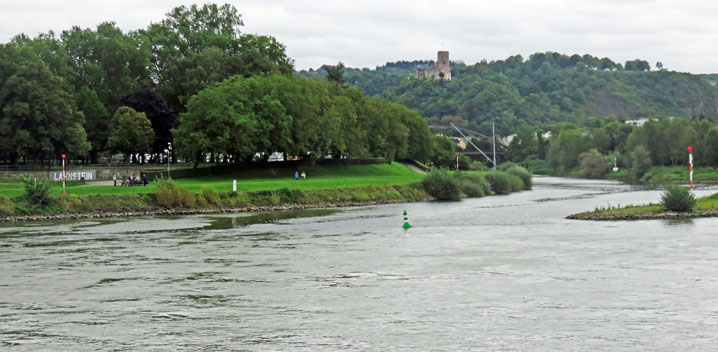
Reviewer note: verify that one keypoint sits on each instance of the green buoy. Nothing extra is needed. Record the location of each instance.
(406, 225)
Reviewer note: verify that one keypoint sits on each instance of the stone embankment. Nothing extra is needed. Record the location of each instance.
(667, 215)
(183, 211)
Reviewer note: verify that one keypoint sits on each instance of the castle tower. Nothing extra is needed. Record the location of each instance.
(443, 66)
(440, 71)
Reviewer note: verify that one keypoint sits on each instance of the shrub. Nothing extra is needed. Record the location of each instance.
(441, 184)
(505, 166)
(499, 182)
(478, 166)
(539, 167)
(210, 195)
(474, 186)
(677, 198)
(169, 194)
(37, 191)
(69, 202)
(523, 174)
(515, 183)
(7, 206)
(471, 190)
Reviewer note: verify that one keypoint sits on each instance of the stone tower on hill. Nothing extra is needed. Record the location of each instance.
(440, 71)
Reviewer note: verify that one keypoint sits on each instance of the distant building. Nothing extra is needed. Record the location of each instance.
(441, 70)
(640, 122)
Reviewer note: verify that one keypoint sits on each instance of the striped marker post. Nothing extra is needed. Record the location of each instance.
(690, 160)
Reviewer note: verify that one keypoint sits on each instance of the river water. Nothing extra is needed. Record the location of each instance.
(502, 273)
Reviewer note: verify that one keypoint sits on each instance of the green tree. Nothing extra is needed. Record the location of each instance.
(335, 73)
(106, 60)
(130, 133)
(640, 162)
(195, 46)
(523, 146)
(238, 117)
(444, 154)
(96, 121)
(39, 117)
(592, 164)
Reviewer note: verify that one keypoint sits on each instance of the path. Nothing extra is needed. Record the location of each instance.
(415, 168)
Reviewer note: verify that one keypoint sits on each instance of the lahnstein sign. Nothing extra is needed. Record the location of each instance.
(74, 175)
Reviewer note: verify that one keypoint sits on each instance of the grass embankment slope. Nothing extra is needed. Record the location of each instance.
(318, 177)
(266, 189)
(705, 207)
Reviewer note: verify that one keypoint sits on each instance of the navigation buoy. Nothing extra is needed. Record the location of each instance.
(406, 221)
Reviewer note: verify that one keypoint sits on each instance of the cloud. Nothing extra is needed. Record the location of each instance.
(371, 32)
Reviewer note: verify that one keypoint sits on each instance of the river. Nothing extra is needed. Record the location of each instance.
(501, 273)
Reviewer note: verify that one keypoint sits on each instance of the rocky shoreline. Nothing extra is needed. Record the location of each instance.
(664, 215)
(183, 211)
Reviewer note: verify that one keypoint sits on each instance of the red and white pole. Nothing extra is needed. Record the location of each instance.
(63, 174)
(457, 162)
(690, 160)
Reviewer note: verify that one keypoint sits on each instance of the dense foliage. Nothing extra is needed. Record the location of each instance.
(57, 92)
(541, 90)
(677, 198)
(442, 184)
(240, 118)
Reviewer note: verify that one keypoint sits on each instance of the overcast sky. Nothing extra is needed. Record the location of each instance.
(682, 34)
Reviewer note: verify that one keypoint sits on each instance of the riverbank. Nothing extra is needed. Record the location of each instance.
(330, 188)
(188, 211)
(73, 207)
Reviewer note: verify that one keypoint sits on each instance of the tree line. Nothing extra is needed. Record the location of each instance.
(595, 149)
(240, 119)
(541, 90)
(62, 93)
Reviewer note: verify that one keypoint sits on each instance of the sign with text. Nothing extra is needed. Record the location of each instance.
(74, 175)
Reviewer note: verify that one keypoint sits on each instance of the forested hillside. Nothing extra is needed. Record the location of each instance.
(539, 91)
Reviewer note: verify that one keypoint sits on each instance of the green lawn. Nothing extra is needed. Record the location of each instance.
(318, 177)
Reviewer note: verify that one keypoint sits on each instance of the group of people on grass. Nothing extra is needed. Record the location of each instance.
(131, 180)
(296, 176)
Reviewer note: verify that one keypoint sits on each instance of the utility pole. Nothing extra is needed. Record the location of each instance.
(493, 140)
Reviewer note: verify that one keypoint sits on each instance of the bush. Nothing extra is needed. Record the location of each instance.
(499, 182)
(505, 166)
(474, 186)
(539, 167)
(169, 194)
(37, 191)
(7, 206)
(523, 174)
(478, 166)
(69, 202)
(210, 195)
(515, 183)
(441, 184)
(677, 198)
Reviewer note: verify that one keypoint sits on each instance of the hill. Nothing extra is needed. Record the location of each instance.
(541, 90)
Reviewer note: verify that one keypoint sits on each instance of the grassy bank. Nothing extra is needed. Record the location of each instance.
(325, 186)
(318, 177)
(705, 207)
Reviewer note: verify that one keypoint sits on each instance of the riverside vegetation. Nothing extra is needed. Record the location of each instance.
(325, 187)
(676, 202)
